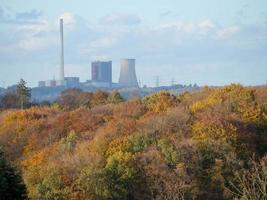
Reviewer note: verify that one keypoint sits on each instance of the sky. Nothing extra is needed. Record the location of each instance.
(208, 42)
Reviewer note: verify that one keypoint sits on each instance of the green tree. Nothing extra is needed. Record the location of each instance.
(11, 185)
(24, 93)
(168, 151)
(122, 176)
(70, 141)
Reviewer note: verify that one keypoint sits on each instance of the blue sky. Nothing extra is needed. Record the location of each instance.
(208, 42)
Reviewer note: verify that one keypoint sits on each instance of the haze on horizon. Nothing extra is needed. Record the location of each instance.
(208, 42)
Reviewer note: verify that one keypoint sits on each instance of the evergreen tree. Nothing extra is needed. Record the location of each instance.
(24, 93)
(11, 185)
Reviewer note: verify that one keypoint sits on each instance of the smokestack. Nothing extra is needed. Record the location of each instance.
(61, 72)
(127, 74)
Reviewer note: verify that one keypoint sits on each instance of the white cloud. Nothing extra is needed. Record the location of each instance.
(69, 18)
(227, 32)
(37, 43)
(95, 48)
(205, 27)
(33, 29)
(104, 42)
(202, 28)
(187, 27)
(177, 27)
(120, 19)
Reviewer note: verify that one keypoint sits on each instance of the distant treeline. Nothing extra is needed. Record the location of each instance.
(205, 145)
(69, 98)
(44, 95)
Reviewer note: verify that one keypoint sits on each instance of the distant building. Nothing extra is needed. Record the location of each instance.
(101, 84)
(50, 83)
(60, 83)
(41, 84)
(102, 72)
(72, 81)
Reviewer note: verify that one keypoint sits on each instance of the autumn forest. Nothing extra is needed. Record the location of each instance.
(205, 145)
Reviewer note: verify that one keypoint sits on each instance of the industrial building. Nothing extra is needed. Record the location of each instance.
(41, 84)
(72, 82)
(50, 83)
(101, 73)
(127, 74)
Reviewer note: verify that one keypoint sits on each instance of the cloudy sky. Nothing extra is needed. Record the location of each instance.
(210, 42)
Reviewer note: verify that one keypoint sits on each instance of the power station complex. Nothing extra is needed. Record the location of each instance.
(101, 73)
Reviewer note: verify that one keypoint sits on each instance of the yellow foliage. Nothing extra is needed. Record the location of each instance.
(27, 115)
(180, 169)
(120, 156)
(118, 145)
(253, 114)
(236, 92)
(208, 102)
(233, 94)
(160, 102)
(39, 158)
(205, 131)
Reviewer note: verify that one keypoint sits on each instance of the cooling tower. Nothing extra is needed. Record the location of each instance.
(127, 73)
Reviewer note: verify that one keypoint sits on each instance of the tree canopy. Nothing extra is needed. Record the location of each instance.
(204, 145)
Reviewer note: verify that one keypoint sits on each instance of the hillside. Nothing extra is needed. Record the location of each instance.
(208, 144)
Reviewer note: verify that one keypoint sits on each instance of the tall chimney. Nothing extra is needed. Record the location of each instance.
(61, 72)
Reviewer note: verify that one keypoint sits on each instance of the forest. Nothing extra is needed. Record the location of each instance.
(205, 145)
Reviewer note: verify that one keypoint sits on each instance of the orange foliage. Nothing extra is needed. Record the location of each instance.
(187, 145)
(39, 158)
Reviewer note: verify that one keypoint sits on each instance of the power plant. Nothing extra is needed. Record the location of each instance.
(101, 78)
(127, 74)
(101, 73)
